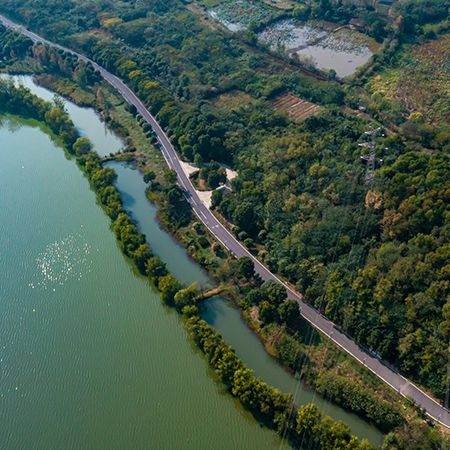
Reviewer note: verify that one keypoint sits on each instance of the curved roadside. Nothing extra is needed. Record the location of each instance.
(371, 361)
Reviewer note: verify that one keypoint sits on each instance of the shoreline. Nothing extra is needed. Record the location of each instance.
(176, 238)
(235, 301)
(265, 403)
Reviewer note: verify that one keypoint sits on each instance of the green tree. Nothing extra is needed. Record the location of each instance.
(216, 198)
(190, 311)
(246, 267)
(174, 194)
(213, 180)
(249, 243)
(141, 256)
(244, 216)
(416, 117)
(103, 177)
(82, 146)
(399, 25)
(227, 366)
(289, 312)
(188, 152)
(276, 292)
(256, 296)
(168, 286)
(149, 177)
(185, 297)
(170, 176)
(156, 268)
(198, 160)
(300, 12)
(267, 312)
(446, 311)
(309, 419)
(81, 78)
(59, 102)
(377, 30)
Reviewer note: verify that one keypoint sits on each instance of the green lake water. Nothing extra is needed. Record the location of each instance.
(219, 313)
(89, 356)
(227, 321)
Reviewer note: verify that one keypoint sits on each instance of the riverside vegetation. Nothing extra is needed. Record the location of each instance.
(289, 347)
(268, 404)
(299, 196)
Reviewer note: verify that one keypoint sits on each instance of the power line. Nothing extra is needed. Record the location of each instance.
(369, 179)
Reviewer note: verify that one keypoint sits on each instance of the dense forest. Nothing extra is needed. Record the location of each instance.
(372, 260)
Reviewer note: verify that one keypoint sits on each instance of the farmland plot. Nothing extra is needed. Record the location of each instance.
(297, 108)
(237, 15)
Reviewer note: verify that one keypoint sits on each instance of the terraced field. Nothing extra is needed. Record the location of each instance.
(297, 108)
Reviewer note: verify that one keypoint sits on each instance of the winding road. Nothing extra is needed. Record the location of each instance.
(371, 361)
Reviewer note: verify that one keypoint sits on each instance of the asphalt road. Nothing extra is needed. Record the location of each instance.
(365, 357)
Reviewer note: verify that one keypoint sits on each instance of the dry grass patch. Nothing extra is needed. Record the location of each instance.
(420, 80)
(427, 84)
(232, 100)
(281, 4)
(204, 17)
(297, 108)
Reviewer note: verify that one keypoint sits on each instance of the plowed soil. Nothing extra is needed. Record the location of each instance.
(297, 108)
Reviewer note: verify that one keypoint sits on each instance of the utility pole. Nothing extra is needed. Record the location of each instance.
(369, 178)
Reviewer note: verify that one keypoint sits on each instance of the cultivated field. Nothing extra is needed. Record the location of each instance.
(297, 108)
(420, 80)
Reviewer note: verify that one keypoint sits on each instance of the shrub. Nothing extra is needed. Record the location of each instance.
(197, 226)
(249, 243)
(242, 236)
(235, 230)
(262, 235)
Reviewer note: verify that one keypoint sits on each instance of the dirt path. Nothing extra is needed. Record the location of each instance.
(285, 64)
(204, 18)
(368, 117)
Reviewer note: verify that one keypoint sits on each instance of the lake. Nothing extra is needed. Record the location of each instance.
(91, 357)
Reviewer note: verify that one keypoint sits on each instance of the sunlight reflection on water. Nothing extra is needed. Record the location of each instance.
(68, 258)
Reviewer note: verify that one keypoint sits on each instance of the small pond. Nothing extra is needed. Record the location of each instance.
(344, 50)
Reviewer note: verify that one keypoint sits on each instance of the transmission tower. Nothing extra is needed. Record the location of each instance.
(369, 179)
